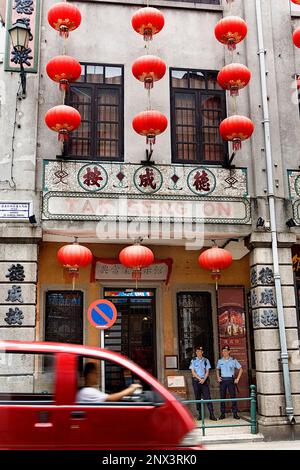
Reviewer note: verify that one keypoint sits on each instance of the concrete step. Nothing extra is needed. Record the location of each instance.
(228, 434)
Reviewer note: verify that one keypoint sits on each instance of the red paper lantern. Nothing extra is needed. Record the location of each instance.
(215, 259)
(64, 17)
(136, 257)
(73, 257)
(296, 37)
(298, 82)
(63, 69)
(230, 31)
(297, 2)
(148, 21)
(234, 77)
(63, 119)
(150, 124)
(236, 129)
(149, 69)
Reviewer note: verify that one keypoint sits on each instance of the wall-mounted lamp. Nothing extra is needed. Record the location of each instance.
(291, 223)
(20, 35)
(32, 219)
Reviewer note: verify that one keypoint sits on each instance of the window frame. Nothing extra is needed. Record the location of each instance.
(198, 92)
(181, 346)
(94, 103)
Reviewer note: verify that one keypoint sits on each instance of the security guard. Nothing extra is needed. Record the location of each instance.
(226, 366)
(200, 371)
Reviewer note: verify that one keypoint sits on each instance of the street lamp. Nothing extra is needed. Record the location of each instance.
(20, 36)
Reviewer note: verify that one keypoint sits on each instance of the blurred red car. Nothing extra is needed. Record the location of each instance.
(38, 386)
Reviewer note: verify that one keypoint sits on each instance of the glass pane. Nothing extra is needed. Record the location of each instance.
(94, 74)
(212, 83)
(113, 75)
(197, 80)
(194, 325)
(64, 312)
(23, 376)
(180, 79)
(211, 108)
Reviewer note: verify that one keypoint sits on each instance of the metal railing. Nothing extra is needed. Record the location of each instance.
(252, 422)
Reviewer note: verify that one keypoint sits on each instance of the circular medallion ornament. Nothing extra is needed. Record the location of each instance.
(92, 177)
(148, 179)
(201, 181)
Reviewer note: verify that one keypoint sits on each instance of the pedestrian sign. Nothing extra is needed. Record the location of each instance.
(102, 314)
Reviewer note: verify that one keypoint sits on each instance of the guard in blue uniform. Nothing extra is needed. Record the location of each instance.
(225, 374)
(200, 371)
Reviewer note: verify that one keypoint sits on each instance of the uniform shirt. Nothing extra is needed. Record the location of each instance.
(227, 366)
(200, 366)
(90, 395)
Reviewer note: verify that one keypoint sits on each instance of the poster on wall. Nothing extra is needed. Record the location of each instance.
(232, 330)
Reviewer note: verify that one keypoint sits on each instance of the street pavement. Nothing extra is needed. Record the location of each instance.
(274, 445)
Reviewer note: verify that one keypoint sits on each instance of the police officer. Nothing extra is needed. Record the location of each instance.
(225, 374)
(200, 371)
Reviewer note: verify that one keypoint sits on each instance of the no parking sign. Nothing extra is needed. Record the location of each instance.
(102, 314)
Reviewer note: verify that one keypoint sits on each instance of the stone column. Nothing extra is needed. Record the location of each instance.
(18, 284)
(271, 399)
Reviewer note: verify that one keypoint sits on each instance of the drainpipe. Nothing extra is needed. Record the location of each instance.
(271, 200)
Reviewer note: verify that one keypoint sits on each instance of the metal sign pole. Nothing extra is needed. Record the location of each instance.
(102, 362)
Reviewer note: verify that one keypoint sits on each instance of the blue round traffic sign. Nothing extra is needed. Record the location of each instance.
(102, 314)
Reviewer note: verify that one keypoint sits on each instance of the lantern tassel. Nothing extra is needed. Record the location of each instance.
(231, 45)
(236, 144)
(63, 136)
(64, 85)
(147, 34)
(64, 31)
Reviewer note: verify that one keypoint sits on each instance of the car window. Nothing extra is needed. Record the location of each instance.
(116, 379)
(24, 377)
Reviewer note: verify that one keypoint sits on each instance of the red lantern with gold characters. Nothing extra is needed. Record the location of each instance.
(234, 77)
(236, 129)
(63, 119)
(215, 259)
(136, 257)
(64, 17)
(150, 124)
(64, 70)
(230, 31)
(148, 21)
(148, 69)
(73, 257)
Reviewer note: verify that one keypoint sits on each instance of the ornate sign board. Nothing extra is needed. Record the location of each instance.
(28, 11)
(294, 193)
(111, 270)
(15, 211)
(122, 192)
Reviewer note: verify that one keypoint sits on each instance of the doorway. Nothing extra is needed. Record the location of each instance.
(133, 333)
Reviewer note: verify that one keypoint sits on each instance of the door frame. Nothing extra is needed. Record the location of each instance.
(158, 327)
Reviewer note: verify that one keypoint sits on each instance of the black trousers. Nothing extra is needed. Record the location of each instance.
(228, 384)
(202, 391)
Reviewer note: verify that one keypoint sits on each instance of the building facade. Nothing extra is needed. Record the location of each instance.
(100, 188)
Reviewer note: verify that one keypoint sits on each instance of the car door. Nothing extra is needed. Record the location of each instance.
(28, 417)
(118, 425)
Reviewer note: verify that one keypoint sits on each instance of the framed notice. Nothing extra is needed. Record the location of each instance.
(176, 381)
(171, 362)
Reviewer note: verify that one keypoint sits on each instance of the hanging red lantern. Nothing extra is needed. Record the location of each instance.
(63, 119)
(230, 31)
(73, 257)
(136, 257)
(150, 124)
(297, 2)
(215, 259)
(236, 129)
(64, 17)
(298, 82)
(148, 21)
(234, 77)
(296, 37)
(149, 69)
(63, 69)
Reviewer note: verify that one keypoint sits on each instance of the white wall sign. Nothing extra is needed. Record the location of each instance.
(12, 210)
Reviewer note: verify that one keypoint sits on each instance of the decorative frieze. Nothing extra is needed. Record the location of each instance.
(122, 191)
